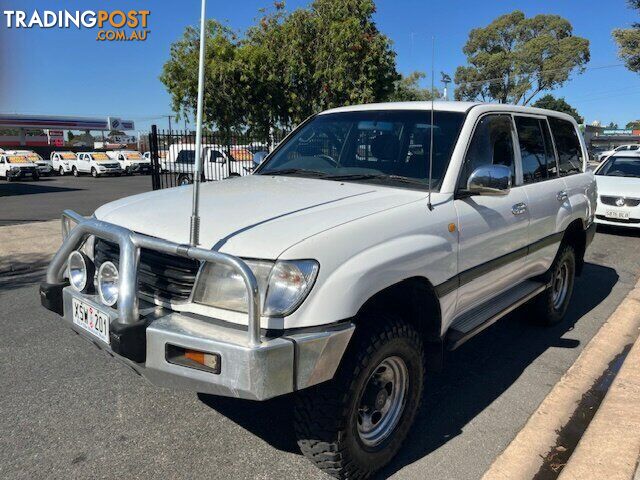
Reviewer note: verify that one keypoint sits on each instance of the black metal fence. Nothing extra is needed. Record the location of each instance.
(173, 155)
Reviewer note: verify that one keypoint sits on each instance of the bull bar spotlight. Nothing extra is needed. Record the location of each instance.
(81, 271)
(108, 283)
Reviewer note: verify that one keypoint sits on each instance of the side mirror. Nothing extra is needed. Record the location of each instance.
(259, 157)
(490, 180)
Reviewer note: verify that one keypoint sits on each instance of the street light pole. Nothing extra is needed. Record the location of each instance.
(195, 216)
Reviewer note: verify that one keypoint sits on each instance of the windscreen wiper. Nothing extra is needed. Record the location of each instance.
(377, 176)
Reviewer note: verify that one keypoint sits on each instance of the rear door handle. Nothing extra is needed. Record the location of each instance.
(562, 195)
(519, 208)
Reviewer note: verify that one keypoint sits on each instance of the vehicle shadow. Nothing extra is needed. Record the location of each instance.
(474, 376)
(31, 188)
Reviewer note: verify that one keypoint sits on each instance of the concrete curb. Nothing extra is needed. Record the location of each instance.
(611, 444)
(524, 456)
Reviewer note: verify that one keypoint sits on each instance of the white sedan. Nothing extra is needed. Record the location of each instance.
(618, 179)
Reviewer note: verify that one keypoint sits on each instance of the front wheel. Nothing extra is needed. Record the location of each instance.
(551, 305)
(61, 172)
(94, 172)
(75, 172)
(353, 425)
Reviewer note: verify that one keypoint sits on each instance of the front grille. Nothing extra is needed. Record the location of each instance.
(628, 202)
(618, 220)
(160, 276)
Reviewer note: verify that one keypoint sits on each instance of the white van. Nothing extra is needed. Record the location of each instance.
(218, 163)
(44, 166)
(131, 161)
(62, 162)
(95, 163)
(15, 167)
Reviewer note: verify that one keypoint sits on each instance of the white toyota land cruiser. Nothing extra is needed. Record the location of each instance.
(338, 270)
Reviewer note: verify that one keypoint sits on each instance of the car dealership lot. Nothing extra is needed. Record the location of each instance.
(70, 411)
(45, 199)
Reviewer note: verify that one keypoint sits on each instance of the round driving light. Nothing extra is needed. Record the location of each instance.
(81, 271)
(108, 283)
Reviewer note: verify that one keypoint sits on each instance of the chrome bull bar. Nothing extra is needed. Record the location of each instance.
(130, 244)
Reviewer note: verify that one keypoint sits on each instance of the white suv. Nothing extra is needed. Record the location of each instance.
(63, 162)
(131, 161)
(95, 163)
(367, 243)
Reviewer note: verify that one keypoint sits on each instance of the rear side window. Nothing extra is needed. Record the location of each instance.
(536, 150)
(492, 144)
(567, 145)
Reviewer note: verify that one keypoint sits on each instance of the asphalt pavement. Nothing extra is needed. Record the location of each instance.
(29, 201)
(67, 410)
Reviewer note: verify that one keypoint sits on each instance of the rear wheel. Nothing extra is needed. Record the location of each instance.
(75, 172)
(184, 179)
(353, 425)
(551, 305)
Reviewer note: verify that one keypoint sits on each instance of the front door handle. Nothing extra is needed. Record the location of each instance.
(562, 195)
(519, 208)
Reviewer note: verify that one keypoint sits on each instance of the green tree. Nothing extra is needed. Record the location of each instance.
(634, 125)
(286, 67)
(628, 40)
(515, 58)
(224, 104)
(408, 89)
(612, 126)
(559, 105)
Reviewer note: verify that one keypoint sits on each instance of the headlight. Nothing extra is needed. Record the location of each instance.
(15, 169)
(283, 285)
(108, 283)
(81, 270)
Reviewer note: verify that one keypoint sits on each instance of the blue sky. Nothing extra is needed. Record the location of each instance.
(68, 72)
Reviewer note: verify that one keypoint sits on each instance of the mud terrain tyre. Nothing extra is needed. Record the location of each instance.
(353, 425)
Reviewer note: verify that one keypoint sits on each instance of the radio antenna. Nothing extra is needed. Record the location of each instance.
(433, 55)
(194, 230)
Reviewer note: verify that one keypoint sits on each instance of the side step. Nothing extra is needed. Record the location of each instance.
(476, 320)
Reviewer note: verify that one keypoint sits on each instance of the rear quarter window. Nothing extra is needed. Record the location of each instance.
(568, 146)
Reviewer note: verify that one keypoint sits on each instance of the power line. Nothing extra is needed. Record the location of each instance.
(551, 70)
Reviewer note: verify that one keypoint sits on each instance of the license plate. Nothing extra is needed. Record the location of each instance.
(91, 319)
(622, 215)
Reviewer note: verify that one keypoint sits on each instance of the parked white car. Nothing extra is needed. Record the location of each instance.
(63, 162)
(45, 167)
(95, 163)
(618, 179)
(131, 161)
(621, 149)
(218, 163)
(16, 167)
(350, 273)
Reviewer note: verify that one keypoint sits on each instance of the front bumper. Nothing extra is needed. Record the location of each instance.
(252, 366)
(142, 168)
(632, 222)
(23, 173)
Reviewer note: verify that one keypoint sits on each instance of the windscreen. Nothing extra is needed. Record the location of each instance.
(621, 167)
(100, 157)
(390, 147)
